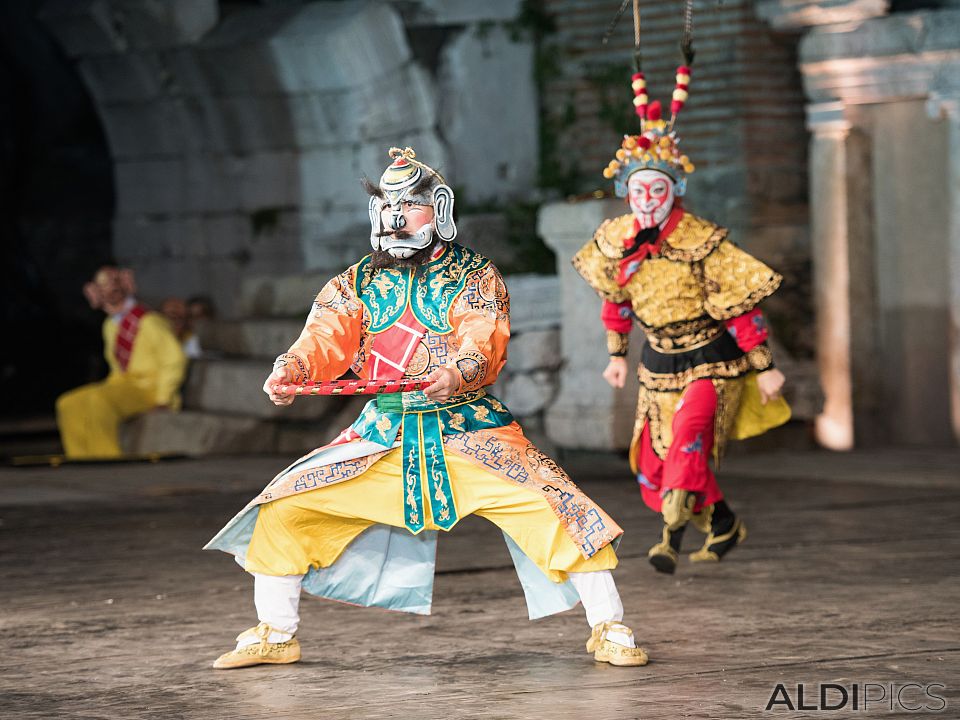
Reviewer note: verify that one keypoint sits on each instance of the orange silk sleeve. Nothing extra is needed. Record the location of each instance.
(480, 317)
(331, 336)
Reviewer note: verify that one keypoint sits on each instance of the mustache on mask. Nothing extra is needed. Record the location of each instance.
(398, 234)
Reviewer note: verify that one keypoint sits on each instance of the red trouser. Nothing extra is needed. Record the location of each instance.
(687, 466)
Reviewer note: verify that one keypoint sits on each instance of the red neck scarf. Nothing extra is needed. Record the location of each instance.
(633, 256)
(127, 334)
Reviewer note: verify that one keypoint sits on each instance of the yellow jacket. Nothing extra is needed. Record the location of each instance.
(157, 363)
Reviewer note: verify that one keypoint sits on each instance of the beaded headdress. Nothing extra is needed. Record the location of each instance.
(657, 146)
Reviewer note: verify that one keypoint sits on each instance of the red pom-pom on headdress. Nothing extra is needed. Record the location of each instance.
(654, 112)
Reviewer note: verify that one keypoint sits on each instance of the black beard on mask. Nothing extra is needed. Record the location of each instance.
(381, 259)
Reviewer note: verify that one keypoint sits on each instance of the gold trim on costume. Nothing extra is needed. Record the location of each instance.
(760, 357)
(678, 381)
(600, 272)
(693, 239)
(611, 237)
(684, 343)
(617, 343)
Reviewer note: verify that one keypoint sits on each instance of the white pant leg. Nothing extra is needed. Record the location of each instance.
(601, 601)
(277, 598)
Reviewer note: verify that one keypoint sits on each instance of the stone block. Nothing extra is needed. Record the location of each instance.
(402, 101)
(196, 434)
(97, 27)
(329, 45)
(286, 296)
(487, 234)
(234, 387)
(534, 350)
(461, 12)
(330, 175)
(215, 69)
(248, 124)
(349, 243)
(792, 15)
(529, 393)
(160, 277)
(270, 179)
(914, 34)
(534, 302)
(323, 118)
(490, 161)
(132, 77)
(567, 226)
(149, 186)
(588, 414)
(149, 129)
(252, 338)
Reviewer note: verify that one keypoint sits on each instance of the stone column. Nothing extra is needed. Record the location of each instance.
(949, 105)
(588, 414)
(831, 271)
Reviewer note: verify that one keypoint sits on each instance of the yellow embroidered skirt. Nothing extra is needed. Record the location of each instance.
(312, 529)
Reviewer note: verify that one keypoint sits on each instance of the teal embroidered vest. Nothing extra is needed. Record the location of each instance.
(429, 290)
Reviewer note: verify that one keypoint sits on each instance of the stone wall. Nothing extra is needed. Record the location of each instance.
(239, 131)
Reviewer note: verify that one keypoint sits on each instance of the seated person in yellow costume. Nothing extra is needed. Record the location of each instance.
(146, 362)
(357, 520)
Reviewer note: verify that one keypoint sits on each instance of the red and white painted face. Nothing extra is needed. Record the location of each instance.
(651, 196)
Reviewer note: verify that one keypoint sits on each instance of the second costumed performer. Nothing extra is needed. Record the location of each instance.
(706, 373)
(357, 520)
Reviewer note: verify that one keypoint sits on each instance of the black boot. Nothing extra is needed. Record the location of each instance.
(726, 532)
(663, 556)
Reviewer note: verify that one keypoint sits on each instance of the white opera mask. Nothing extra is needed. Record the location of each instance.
(410, 207)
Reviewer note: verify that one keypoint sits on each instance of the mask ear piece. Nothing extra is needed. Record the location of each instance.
(373, 208)
(443, 213)
(680, 187)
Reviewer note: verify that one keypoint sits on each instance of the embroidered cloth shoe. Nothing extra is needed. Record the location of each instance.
(605, 650)
(260, 652)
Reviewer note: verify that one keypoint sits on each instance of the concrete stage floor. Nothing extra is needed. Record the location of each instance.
(850, 576)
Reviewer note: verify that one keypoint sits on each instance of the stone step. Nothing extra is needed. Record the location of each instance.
(235, 387)
(252, 338)
(197, 433)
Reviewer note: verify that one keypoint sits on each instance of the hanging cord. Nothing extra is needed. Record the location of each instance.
(636, 29)
(636, 35)
(613, 23)
(686, 39)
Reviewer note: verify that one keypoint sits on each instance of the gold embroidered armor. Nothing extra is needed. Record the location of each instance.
(681, 296)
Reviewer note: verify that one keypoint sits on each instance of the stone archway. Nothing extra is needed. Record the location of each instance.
(231, 127)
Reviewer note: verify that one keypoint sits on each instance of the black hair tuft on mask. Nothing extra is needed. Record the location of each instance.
(372, 189)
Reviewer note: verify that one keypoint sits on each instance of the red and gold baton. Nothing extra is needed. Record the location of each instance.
(351, 387)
